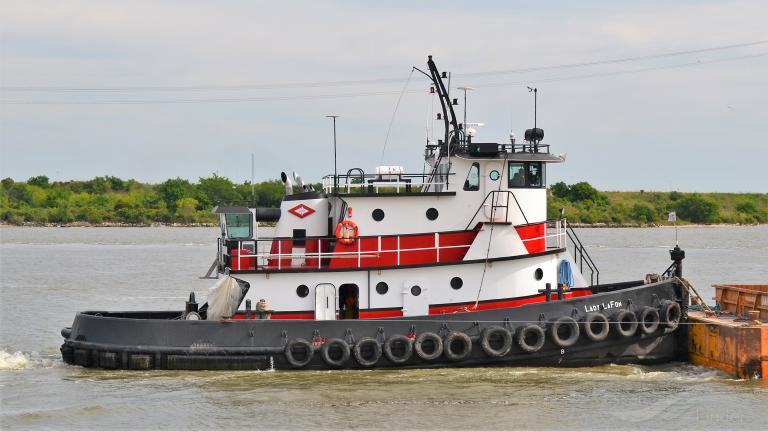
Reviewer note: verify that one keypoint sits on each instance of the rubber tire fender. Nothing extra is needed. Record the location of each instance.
(521, 334)
(571, 340)
(457, 356)
(671, 314)
(358, 354)
(435, 339)
(295, 343)
(592, 318)
(649, 320)
(325, 352)
(391, 356)
(485, 341)
(618, 319)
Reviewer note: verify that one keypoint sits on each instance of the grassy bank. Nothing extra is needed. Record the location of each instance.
(110, 201)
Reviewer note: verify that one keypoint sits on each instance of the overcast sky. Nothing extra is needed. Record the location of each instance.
(188, 88)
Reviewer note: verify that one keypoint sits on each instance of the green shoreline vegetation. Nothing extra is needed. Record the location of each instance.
(113, 201)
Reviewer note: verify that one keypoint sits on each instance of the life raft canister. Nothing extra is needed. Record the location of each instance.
(346, 231)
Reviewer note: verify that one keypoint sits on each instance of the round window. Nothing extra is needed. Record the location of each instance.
(382, 288)
(538, 274)
(378, 215)
(432, 213)
(415, 290)
(456, 282)
(302, 290)
(494, 175)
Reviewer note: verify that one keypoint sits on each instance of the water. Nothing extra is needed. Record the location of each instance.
(48, 274)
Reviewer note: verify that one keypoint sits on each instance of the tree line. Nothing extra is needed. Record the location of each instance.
(113, 200)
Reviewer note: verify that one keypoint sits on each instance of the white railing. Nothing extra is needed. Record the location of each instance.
(263, 258)
(352, 183)
(554, 238)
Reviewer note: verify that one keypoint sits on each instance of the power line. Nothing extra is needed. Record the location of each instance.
(380, 93)
(364, 81)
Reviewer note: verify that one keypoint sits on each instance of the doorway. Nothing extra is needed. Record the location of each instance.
(349, 301)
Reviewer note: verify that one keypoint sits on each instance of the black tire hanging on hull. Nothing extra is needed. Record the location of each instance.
(490, 339)
(335, 352)
(367, 352)
(671, 314)
(564, 332)
(398, 349)
(530, 338)
(303, 348)
(596, 327)
(428, 346)
(625, 323)
(457, 346)
(649, 320)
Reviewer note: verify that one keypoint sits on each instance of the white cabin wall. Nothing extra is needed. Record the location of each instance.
(502, 280)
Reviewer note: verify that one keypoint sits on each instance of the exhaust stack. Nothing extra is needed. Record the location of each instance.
(287, 183)
(299, 181)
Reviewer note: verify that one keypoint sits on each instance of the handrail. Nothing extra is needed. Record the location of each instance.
(594, 276)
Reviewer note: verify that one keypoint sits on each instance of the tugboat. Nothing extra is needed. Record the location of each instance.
(457, 266)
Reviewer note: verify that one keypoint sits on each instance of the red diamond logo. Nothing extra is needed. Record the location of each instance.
(301, 211)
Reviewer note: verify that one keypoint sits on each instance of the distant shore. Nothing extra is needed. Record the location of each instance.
(213, 225)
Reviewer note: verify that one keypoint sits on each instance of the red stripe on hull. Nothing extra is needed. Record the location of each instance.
(388, 313)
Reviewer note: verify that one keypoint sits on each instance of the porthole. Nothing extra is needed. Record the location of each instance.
(494, 175)
(456, 283)
(538, 274)
(432, 213)
(382, 288)
(378, 215)
(302, 291)
(415, 290)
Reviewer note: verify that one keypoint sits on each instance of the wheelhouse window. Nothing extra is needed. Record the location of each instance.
(239, 226)
(473, 178)
(526, 175)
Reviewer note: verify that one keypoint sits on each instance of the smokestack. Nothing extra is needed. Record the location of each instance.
(299, 181)
(287, 183)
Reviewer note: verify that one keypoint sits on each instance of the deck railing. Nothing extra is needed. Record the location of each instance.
(269, 253)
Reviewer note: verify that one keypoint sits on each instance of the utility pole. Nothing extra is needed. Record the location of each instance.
(253, 191)
(335, 169)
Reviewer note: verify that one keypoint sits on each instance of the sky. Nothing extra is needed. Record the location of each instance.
(652, 95)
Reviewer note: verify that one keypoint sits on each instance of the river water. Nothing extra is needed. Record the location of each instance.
(48, 274)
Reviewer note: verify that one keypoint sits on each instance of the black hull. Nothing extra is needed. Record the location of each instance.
(159, 340)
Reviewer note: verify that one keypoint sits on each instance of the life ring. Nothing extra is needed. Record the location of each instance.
(671, 313)
(428, 346)
(596, 326)
(496, 341)
(346, 231)
(649, 320)
(298, 352)
(367, 351)
(625, 323)
(564, 332)
(335, 357)
(457, 346)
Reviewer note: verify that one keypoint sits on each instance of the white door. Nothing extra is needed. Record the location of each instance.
(325, 302)
(415, 299)
(495, 190)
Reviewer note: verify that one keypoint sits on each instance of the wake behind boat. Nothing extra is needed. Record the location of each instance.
(458, 266)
